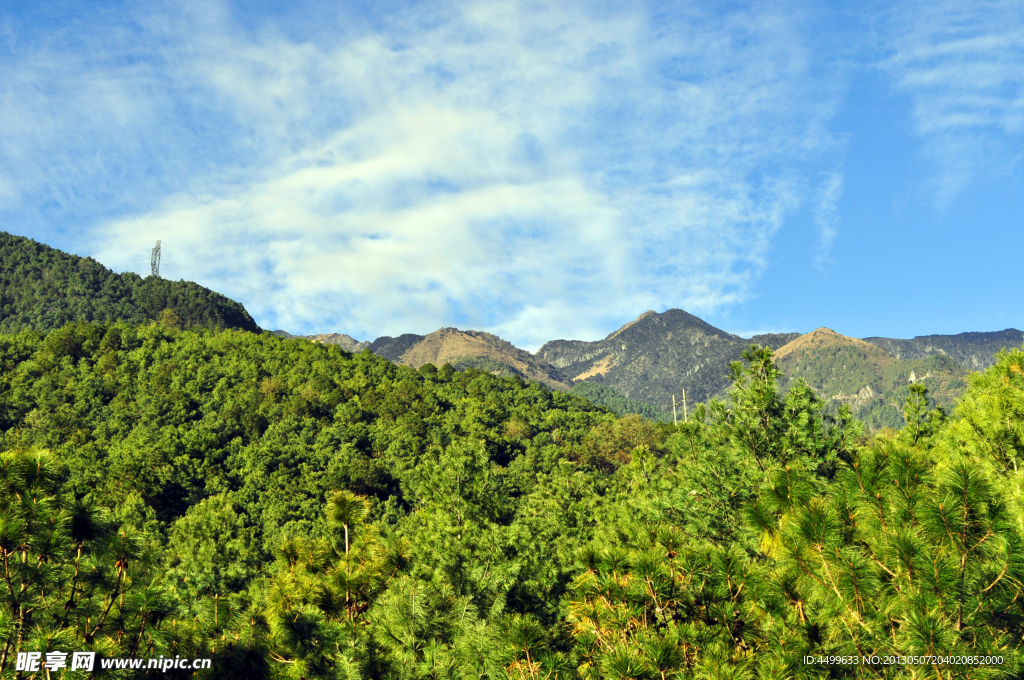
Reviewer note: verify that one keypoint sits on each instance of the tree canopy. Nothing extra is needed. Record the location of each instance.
(293, 510)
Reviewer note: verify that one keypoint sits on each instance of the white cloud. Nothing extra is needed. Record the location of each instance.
(963, 66)
(535, 170)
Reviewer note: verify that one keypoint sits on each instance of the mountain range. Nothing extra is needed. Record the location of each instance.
(641, 366)
(638, 368)
(870, 379)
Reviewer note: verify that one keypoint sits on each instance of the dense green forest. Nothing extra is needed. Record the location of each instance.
(296, 511)
(43, 288)
(605, 396)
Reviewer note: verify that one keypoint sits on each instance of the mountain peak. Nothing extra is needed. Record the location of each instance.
(639, 319)
(671, 320)
(654, 356)
(468, 349)
(823, 336)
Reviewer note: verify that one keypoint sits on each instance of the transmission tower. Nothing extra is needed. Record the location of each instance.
(154, 261)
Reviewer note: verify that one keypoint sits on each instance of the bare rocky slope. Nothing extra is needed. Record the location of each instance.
(465, 349)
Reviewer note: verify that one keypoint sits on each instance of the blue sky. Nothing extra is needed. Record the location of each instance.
(538, 170)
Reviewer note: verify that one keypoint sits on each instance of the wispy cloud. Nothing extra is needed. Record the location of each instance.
(963, 66)
(826, 216)
(537, 170)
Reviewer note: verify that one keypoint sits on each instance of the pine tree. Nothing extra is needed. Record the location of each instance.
(70, 576)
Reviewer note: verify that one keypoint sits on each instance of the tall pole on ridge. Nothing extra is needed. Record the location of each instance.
(154, 261)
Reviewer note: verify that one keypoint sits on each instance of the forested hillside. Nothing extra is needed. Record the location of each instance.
(296, 511)
(867, 378)
(42, 288)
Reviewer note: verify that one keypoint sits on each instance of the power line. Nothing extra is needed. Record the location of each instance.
(298, 302)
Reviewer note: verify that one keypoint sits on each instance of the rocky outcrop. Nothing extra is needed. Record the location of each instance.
(855, 401)
(342, 340)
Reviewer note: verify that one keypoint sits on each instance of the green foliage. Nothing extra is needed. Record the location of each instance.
(71, 576)
(293, 510)
(214, 552)
(615, 402)
(43, 289)
(990, 426)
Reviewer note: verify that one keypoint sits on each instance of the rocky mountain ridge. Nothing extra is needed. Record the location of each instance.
(866, 377)
(973, 351)
(658, 355)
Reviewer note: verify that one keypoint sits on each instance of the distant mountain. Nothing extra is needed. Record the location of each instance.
(639, 367)
(873, 382)
(465, 349)
(975, 351)
(824, 357)
(43, 288)
(392, 349)
(346, 342)
(658, 356)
